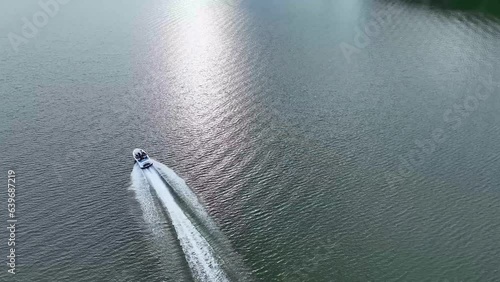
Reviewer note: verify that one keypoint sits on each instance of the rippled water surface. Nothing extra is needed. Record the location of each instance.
(320, 154)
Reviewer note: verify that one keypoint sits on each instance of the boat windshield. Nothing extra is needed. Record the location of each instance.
(141, 156)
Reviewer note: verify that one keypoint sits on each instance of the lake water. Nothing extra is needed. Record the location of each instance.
(318, 152)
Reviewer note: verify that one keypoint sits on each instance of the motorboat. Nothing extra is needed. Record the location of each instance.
(142, 158)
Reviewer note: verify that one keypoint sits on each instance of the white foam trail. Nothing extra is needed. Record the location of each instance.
(187, 195)
(199, 254)
(143, 195)
(233, 263)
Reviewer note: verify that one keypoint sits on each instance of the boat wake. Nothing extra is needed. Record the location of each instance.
(199, 254)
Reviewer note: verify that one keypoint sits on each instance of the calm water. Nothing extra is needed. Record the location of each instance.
(310, 162)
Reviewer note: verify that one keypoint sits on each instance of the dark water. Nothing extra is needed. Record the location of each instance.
(378, 165)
